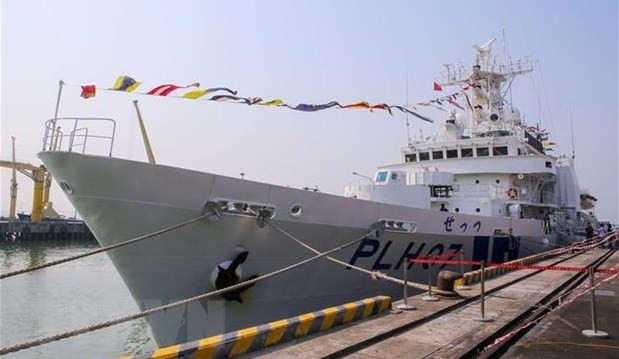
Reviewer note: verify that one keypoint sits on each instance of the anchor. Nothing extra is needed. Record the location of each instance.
(227, 277)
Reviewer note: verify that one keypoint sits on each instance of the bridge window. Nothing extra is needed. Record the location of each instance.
(381, 176)
(499, 151)
(424, 156)
(437, 155)
(452, 153)
(411, 157)
(483, 152)
(440, 191)
(467, 152)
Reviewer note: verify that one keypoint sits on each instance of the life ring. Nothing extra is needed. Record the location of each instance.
(512, 193)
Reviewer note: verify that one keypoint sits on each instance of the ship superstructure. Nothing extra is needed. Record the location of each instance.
(485, 161)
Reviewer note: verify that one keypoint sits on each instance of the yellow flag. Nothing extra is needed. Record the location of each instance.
(196, 94)
(276, 102)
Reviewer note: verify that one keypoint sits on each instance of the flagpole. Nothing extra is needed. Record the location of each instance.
(60, 84)
(149, 150)
(408, 129)
(572, 132)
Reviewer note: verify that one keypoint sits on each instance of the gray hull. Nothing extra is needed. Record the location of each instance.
(122, 199)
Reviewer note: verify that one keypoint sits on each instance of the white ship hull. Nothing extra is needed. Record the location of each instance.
(122, 199)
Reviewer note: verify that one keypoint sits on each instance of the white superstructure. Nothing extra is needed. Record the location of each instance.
(484, 161)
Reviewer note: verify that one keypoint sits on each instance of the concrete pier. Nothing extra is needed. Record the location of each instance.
(447, 329)
(559, 336)
(52, 229)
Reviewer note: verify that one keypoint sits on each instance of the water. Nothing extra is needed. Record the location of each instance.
(66, 297)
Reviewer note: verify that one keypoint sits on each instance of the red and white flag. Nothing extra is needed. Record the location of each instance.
(164, 90)
(437, 87)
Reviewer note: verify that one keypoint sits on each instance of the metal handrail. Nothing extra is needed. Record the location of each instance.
(494, 191)
(53, 138)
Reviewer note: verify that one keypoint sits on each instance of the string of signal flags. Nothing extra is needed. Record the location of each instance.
(194, 92)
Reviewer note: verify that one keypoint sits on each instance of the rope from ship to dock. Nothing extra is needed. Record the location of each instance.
(105, 249)
(109, 323)
(373, 274)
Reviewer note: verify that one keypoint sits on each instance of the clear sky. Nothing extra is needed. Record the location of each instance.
(301, 51)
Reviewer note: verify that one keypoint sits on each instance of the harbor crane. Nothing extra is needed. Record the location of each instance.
(40, 197)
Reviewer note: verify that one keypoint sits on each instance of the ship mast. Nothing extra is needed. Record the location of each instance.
(489, 84)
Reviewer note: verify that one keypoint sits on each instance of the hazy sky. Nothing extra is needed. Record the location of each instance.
(301, 51)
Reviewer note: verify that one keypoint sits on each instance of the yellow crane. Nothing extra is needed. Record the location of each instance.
(38, 175)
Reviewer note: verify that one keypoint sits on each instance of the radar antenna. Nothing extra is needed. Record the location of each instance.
(484, 53)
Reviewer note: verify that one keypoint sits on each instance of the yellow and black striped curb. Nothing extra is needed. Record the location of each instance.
(475, 276)
(255, 338)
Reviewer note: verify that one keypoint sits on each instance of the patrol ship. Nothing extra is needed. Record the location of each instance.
(483, 184)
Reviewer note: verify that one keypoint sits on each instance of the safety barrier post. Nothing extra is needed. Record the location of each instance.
(405, 305)
(594, 332)
(482, 296)
(430, 297)
(463, 286)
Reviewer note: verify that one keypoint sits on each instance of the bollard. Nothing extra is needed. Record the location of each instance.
(482, 297)
(594, 332)
(463, 286)
(405, 305)
(430, 297)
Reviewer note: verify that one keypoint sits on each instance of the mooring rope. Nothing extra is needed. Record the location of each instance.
(373, 274)
(130, 317)
(103, 249)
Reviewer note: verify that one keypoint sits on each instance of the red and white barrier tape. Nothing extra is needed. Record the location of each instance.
(587, 288)
(512, 265)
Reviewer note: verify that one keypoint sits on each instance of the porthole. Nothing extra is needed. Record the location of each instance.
(296, 211)
(66, 187)
(477, 209)
(457, 209)
(477, 181)
(498, 181)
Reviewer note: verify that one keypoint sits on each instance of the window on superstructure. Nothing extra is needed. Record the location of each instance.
(548, 164)
(452, 153)
(411, 157)
(381, 176)
(483, 151)
(437, 155)
(467, 152)
(424, 156)
(499, 151)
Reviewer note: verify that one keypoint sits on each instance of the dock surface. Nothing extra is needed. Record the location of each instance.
(447, 329)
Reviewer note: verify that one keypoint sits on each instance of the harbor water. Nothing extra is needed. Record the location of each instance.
(66, 297)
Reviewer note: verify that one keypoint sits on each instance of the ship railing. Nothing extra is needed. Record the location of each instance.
(501, 192)
(82, 135)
